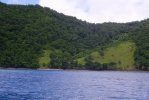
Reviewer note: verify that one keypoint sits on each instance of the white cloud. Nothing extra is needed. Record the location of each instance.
(98, 11)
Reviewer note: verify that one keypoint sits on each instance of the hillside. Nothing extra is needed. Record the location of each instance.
(121, 54)
(32, 37)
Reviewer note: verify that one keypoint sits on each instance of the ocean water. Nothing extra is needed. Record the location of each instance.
(73, 85)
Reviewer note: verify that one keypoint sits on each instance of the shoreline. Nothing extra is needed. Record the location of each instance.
(1, 68)
(50, 69)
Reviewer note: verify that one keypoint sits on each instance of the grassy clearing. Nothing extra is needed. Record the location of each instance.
(45, 59)
(122, 54)
(81, 61)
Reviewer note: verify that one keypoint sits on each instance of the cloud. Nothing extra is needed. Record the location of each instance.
(98, 11)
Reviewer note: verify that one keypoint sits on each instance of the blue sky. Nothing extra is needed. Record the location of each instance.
(20, 1)
(96, 11)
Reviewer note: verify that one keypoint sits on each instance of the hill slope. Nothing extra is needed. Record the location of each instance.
(32, 36)
(121, 54)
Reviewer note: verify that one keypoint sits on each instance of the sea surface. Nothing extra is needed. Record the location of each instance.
(73, 85)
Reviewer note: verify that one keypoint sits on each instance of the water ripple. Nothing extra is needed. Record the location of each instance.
(73, 85)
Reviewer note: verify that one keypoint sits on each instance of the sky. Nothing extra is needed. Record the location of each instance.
(24, 2)
(96, 11)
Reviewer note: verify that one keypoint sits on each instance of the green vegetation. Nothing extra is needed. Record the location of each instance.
(81, 61)
(122, 54)
(32, 37)
(44, 60)
(142, 42)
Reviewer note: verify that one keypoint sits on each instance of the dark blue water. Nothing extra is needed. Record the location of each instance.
(73, 85)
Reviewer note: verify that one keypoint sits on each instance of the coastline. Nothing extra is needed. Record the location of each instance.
(2, 68)
(48, 69)
(51, 69)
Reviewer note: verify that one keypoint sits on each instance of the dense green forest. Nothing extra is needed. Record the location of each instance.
(35, 37)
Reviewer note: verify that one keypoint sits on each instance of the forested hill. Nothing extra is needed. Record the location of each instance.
(33, 37)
